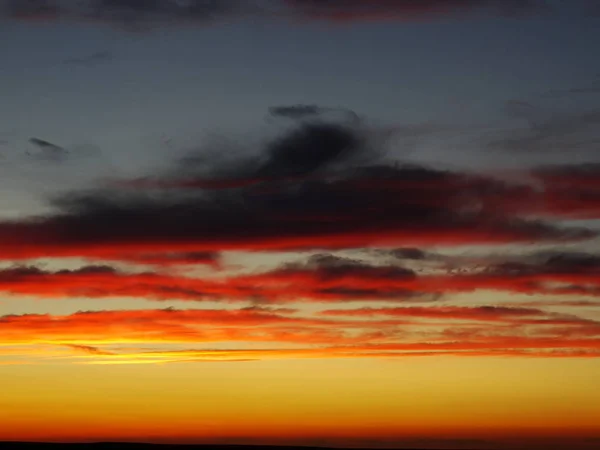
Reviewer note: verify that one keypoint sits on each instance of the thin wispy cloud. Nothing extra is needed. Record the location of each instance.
(90, 60)
(547, 131)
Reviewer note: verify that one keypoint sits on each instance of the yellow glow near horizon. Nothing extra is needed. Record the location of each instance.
(286, 399)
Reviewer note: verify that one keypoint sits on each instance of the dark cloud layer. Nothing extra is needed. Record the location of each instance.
(351, 212)
(319, 185)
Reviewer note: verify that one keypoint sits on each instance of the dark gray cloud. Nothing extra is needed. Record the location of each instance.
(298, 112)
(306, 150)
(48, 151)
(331, 266)
(549, 262)
(410, 253)
(308, 188)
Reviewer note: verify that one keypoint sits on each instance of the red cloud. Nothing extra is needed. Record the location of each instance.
(370, 10)
(136, 14)
(482, 313)
(322, 279)
(569, 192)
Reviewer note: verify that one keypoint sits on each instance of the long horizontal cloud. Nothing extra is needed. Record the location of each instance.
(322, 285)
(365, 10)
(321, 184)
(310, 189)
(96, 335)
(141, 14)
(537, 273)
(323, 278)
(134, 14)
(485, 313)
(167, 325)
(190, 356)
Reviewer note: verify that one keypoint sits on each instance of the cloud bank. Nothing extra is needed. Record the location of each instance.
(324, 185)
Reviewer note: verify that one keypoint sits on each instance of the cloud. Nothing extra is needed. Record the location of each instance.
(142, 15)
(592, 88)
(409, 253)
(331, 353)
(298, 112)
(90, 60)
(89, 349)
(96, 335)
(559, 132)
(570, 191)
(48, 151)
(538, 273)
(363, 207)
(307, 150)
(88, 331)
(308, 189)
(482, 313)
(322, 279)
(360, 10)
(131, 14)
(323, 284)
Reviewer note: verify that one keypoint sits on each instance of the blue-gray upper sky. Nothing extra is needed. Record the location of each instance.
(73, 81)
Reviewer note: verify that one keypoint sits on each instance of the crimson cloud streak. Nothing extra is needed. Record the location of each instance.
(139, 15)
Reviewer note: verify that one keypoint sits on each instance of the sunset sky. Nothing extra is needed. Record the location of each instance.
(336, 222)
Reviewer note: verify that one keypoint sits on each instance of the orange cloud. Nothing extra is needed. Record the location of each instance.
(354, 333)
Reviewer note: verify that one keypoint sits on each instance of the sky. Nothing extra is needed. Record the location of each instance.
(346, 223)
